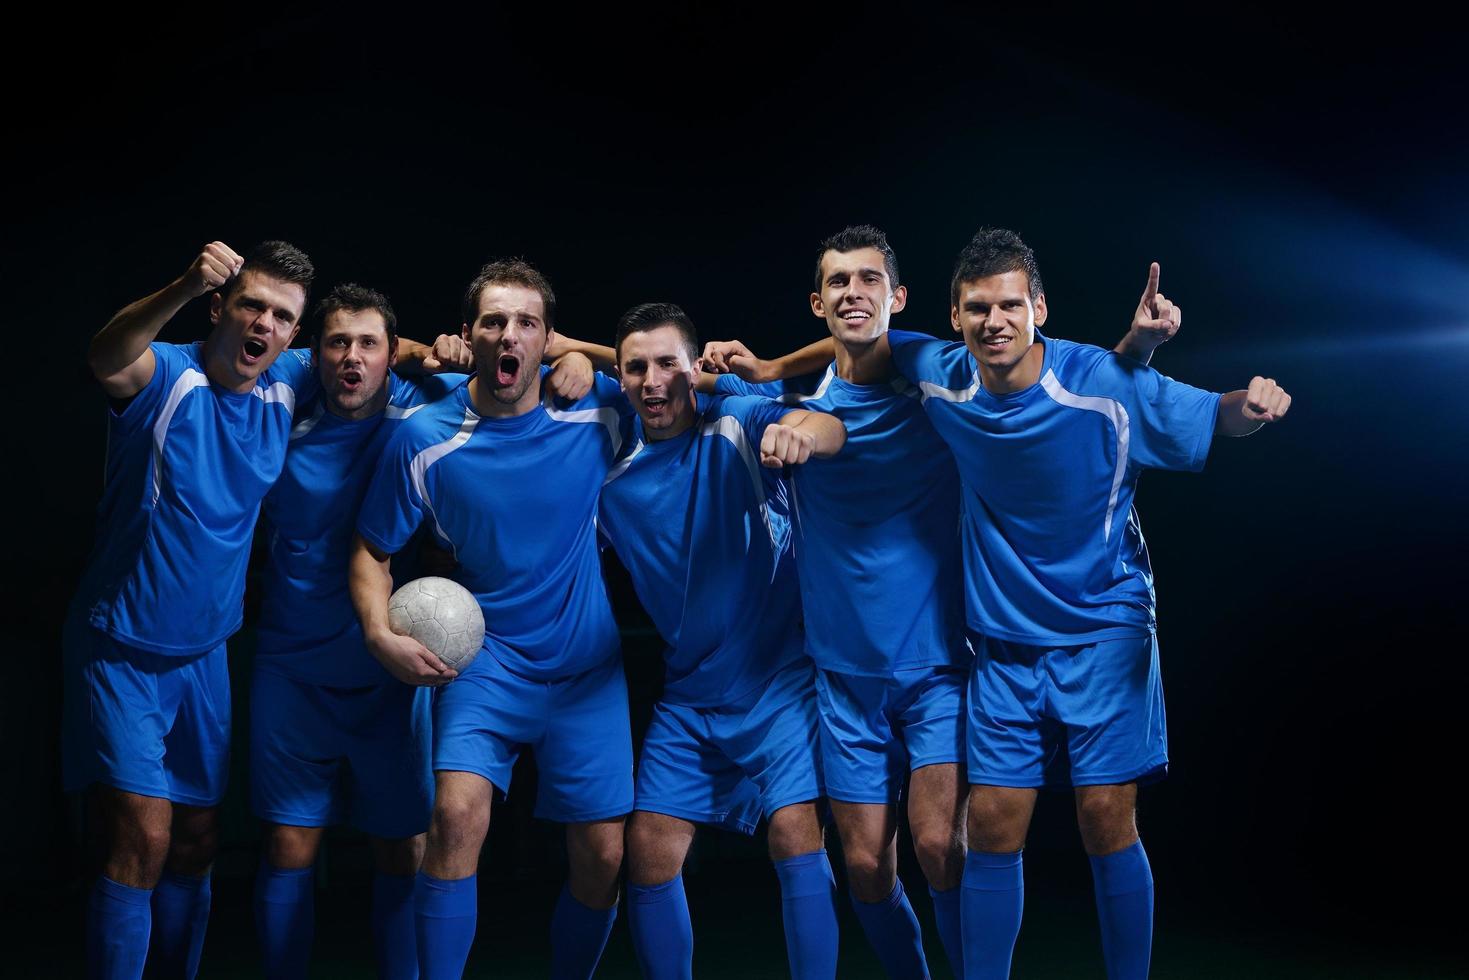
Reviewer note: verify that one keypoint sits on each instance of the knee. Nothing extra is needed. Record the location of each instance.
(1106, 825)
(651, 860)
(195, 844)
(138, 854)
(290, 847)
(459, 822)
(794, 830)
(601, 859)
(399, 857)
(995, 826)
(940, 853)
(870, 875)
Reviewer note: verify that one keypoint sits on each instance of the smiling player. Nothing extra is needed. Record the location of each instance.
(1050, 438)
(698, 512)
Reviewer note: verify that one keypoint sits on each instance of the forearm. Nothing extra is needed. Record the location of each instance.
(602, 358)
(370, 582)
(808, 360)
(410, 358)
(1232, 420)
(127, 335)
(827, 430)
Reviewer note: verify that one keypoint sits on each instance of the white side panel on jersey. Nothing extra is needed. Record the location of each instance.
(187, 382)
(621, 467)
(418, 469)
(1113, 411)
(795, 398)
(730, 428)
(394, 412)
(278, 392)
(307, 424)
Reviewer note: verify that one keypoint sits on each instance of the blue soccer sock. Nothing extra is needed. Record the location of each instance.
(991, 905)
(1124, 888)
(808, 906)
(444, 915)
(394, 935)
(180, 919)
(119, 919)
(662, 937)
(578, 936)
(892, 928)
(950, 922)
(285, 918)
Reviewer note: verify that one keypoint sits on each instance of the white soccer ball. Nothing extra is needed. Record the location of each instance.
(442, 615)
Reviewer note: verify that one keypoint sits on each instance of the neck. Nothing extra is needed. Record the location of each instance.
(488, 406)
(1018, 376)
(220, 371)
(865, 364)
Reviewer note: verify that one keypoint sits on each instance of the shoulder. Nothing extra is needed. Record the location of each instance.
(1100, 371)
(293, 366)
(413, 392)
(790, 390)
(919, 357)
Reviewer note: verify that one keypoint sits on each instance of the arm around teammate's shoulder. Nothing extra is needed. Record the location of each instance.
(799, 436)
(120, 357)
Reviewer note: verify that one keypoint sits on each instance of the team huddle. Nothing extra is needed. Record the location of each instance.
(888, 569)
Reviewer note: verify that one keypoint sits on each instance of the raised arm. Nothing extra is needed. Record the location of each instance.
(602, 358)
(733, 357)
(1154, 322)
(119, 356)
(370, 582)
(799, 436)
(1243, 412)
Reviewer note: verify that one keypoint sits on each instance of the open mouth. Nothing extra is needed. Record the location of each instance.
(507, 369)
(655, 405)
(856, 316)
(254, 349)
(997, 343)
(351, 380)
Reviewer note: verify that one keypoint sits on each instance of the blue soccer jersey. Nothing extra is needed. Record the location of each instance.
(876, 543)
(704, 530)
(1056, 555)
(308, 629)
(515, 499)
(187, 466)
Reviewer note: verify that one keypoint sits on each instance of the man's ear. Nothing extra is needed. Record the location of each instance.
(1040, 309)
(216, 306)
(900, 299)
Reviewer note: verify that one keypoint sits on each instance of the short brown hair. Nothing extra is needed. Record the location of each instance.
(509, 272)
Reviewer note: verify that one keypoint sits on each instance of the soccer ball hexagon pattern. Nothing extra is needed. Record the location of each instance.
(442, 615)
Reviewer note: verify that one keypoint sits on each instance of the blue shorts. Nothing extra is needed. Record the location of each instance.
(733, 764)
(577, 726)
(320, 753)
(146, 723)
(1066, 716)
(876, 730)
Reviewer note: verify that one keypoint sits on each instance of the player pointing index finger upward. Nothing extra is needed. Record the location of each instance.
(878, 556)
(1050, 438)
(699, 513)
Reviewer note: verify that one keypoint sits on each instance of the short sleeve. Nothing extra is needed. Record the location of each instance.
(756, 414)
(1171, 424)
(170, 361)
(412, 392)
(395, 503)
(919, 357)
(297, 370)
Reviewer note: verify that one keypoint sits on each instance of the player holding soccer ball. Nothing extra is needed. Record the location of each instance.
(507, 478)
(699, 513)
(1050, 438)
(196, 435)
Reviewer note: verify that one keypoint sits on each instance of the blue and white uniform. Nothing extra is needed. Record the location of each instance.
(328, 725)
(1057, 576)
(880, 572)
(148, 707)
(705, 532)
(515, 500)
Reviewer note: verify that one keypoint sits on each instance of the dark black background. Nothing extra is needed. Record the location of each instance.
(1301, 181)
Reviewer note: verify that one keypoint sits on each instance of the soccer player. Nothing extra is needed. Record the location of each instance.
(702, 521)
(329, 728)
(196, 435)
(508, 480)
(1050, 438)
(879, 567)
